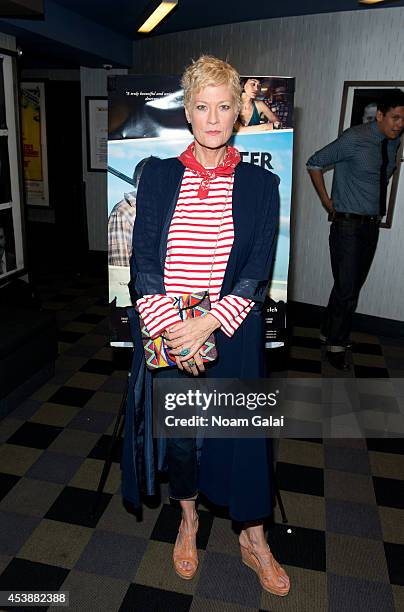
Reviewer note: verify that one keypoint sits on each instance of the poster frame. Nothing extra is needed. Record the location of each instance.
(91, 135)
(16, 204)
(345, 122)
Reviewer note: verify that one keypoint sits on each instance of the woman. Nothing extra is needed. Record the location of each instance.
(251, 109)
(188, 209)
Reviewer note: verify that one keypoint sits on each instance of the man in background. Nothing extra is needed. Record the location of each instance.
(364, 158)
(121, 221)
(7, 260)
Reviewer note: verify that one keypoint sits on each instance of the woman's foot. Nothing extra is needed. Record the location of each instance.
(185, 554)
(257, 555)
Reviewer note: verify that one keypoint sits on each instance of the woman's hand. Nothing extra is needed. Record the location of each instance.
(190, 334)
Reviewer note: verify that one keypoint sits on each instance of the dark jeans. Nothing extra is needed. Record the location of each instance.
(352, 248)
(182, 467)
(182, 461)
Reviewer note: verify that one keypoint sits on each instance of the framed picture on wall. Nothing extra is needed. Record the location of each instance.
(97, 133)
(359, 105)
(33, 125)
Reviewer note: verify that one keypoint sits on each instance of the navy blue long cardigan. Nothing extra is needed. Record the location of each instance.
(235, 473)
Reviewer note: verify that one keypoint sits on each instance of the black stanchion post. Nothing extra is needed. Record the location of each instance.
(118, 428)
(279, 500)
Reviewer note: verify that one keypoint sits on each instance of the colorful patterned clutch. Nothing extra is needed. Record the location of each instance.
(189, 306)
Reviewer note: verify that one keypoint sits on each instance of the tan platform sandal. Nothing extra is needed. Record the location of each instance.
(268, 572)
(186, 551)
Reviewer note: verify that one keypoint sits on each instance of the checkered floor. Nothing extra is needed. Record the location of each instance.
(344, 498)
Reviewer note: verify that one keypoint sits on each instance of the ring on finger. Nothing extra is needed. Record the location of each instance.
(191, 362)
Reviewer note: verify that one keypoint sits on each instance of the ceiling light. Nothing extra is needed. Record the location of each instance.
(158, 14)
(370, 1)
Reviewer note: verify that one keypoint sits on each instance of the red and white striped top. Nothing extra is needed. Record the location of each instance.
(190, 254)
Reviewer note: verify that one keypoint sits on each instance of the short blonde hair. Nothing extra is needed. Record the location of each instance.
(209, 70)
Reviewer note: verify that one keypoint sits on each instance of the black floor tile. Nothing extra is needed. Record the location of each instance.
(386, 445)
(366, 348)
(35, 435)
(396, 365)
(7, 481)
(300, 478)
(389, 492)
(89, 317)
(305, 341)
(98, 366)
(68, 336)
(71, 396)
(166, 526)
(304, 365)
(395, 562)
(23, 575)
(370, 372)
(63, 297)
(302, 548)
(82, 285)
(392, 340)
(75, 506)
(122, 358)
(149, 599)
(101, 449)
(102, 302)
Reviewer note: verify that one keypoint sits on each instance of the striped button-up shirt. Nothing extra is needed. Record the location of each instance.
(199, 242)
(357, 157)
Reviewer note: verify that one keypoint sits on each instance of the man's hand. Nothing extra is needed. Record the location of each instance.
(191, 334)
(319, 185)
(329, 206)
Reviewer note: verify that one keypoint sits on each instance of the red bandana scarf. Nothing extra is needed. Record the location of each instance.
(231, 159)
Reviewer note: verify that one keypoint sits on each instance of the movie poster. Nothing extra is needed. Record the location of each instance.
(146, 117)
(33, 125)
